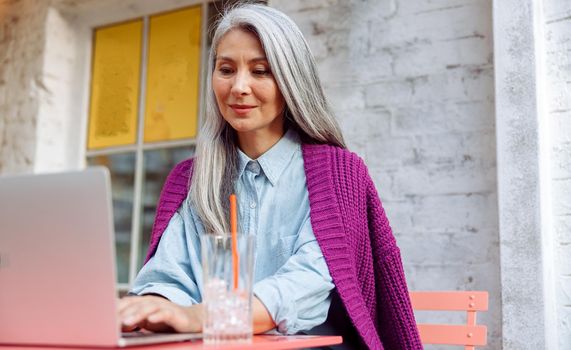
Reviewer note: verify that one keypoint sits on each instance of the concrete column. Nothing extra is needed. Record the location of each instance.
(526, 253)
(22, 39)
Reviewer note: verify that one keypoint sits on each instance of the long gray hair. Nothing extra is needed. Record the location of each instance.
(307, 111)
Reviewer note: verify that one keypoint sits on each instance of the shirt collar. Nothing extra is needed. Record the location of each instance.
(274, 161)
(243, 160)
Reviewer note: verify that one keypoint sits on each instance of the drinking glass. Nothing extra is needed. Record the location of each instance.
(227, 305)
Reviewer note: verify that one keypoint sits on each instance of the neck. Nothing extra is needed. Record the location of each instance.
(256, 143)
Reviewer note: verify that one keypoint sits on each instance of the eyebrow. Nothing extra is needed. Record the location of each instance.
(253, 60)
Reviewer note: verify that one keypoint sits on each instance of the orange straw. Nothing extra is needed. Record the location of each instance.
(234, 232)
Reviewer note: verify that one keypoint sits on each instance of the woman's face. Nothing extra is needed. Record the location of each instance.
(246, 91)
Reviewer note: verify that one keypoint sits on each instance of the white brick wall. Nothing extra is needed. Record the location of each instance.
(558, 59)
(412, 85)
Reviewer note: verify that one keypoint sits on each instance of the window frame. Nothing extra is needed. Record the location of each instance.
(139, 147)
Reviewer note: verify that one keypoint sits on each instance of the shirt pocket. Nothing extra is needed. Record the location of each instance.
(286, 246)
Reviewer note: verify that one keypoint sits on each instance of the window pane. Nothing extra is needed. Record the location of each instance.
(115, 85)
(173, 75)
(121, 167)
(158, 164)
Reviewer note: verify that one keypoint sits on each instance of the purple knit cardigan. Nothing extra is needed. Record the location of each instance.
(353, 232)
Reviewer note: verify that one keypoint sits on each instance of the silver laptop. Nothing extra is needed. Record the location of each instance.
(57, 262)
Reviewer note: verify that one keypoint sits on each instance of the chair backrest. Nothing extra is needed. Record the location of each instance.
(468, 335)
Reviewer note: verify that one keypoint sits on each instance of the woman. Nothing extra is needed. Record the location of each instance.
(269, 135)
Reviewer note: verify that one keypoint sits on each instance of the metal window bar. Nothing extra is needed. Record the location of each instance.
(139, 159)
(146, 147)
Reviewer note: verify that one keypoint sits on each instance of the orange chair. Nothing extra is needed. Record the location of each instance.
(469, 335)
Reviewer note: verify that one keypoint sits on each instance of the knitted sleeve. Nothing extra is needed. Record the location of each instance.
(396, 324)
(173, 193)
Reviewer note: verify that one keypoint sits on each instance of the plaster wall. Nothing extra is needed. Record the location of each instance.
(63, 103)
(22, 38)
(412, 85)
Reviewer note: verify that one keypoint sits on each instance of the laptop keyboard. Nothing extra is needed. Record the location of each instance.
(138, 334)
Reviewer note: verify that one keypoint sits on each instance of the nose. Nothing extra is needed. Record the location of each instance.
(241, 84)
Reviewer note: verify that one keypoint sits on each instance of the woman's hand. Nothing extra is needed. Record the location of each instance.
(158, 314)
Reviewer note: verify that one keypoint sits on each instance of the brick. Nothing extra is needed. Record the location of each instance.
(333, 70)
(556, 58)
(556, 9)
(456, 148)
(442, 180)
(560, 128)
(316, 18)
(384, 153)
(562, 227)
(398, 211)
(372, 10)
(336, 41)
(372, 68)
(389, 93)
(440, 317)
(556, 29)
(564, 259)
(360, 126)
(558, 100)
(561, 161)
(364, 124)
(563, 290)
(435, 249)
(557, 61)
(564, 331)
(289, 6)
(442, 117)
(452, 213)
(455, 85)
(561, 190)
(318, 47)
(436, 25)
(433, 57)
(357, 145)
(348, 98)
(383, 181)
(430, 6)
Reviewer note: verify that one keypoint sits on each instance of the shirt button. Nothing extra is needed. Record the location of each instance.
(253, 205)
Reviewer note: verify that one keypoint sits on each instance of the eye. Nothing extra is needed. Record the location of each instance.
(261, 71)
(224, 70)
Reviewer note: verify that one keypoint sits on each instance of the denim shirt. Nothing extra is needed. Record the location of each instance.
(291, 278)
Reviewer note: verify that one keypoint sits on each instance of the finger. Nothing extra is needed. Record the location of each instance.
(129, 307)
(132, 306)
(126, 301)
(178, 318)
(129, 328)
(161, 316)
(180, 322)
(171, 319)
(139, 312)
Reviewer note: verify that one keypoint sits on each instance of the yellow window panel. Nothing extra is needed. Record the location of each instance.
(115, 85)
(173, 75)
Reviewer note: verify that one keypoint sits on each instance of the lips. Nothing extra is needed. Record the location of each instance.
(242, 109)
